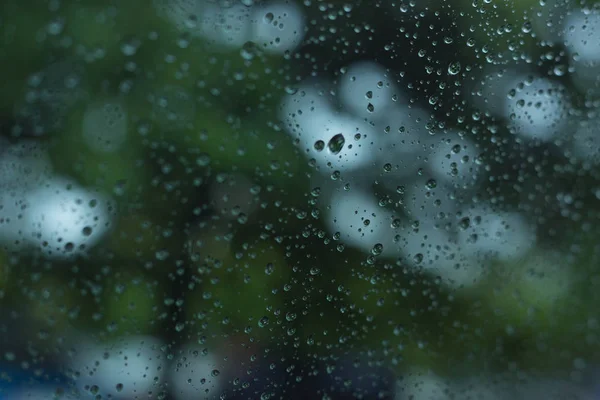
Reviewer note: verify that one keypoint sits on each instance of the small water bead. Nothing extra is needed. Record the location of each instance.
(291, 90)
(560, 70)
(191, 22)
(398, 330)
(377, 249)
(319, 145)
(454, 68)
(269, 269)
(290, 316)
(264, 321)
(55, 27)
(130, 47)
(464, 223)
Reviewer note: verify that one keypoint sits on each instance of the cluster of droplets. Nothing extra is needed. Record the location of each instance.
(540, 107)
(50, 95)
(360, 131)
(275, 27)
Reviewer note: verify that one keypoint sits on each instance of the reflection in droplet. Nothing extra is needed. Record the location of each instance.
(336, 144)
(122, 369)
(454, 68)
(319, 145)
(278, 27)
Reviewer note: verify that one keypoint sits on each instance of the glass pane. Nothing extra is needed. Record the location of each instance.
(294, 199)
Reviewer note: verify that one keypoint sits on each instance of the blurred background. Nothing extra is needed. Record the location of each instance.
(284, 199)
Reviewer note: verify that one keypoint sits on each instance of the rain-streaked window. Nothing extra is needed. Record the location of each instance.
(300, 199)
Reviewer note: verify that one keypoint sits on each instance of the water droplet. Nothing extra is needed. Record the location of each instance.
(431, 184)
(264, 321)
(269, 269)
(464, 223)
(248, 51)
(55, 27)
(560, 70)
(377, 249)
(130, 47)
(290, 316)
(398, 329)
(203, 160)
(336, 143)
(454, 68)
(319, 145)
